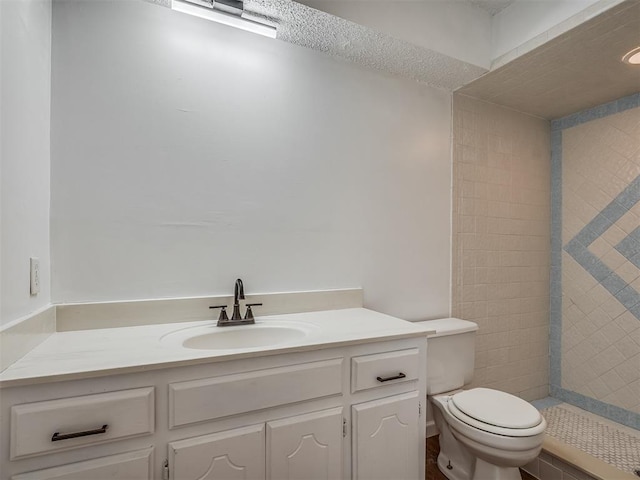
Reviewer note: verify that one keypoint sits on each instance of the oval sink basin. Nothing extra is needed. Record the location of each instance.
(265, 334)
(249, 338)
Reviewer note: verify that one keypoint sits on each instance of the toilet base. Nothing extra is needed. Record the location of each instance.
(451, 470)
(484, 471)
(454, 461)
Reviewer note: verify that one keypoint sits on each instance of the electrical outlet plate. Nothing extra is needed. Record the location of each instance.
(35, 275)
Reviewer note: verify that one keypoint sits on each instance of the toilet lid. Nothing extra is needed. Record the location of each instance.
(497, 408)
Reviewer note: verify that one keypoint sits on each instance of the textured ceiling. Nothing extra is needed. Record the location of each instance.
(307, 27)
(301, 25)
(492, 6)
(575, 71)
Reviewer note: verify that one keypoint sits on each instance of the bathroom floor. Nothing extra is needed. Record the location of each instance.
(431, 468)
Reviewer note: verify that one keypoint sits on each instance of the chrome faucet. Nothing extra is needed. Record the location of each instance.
(236, 318)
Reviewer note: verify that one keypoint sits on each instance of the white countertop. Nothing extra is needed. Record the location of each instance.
(92, 353)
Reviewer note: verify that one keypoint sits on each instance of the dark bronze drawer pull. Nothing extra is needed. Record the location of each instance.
(57, 437)
(395, 377)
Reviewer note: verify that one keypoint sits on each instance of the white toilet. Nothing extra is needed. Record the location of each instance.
(485, 434)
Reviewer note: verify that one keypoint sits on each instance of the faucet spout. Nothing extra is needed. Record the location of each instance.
(238, 294)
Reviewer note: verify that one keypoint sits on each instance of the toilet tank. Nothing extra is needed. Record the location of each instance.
(450, 354)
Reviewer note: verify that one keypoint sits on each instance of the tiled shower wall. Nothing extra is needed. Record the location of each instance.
(501, 242)
(595, 309)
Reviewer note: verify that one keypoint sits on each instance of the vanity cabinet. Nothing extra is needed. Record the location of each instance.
(350, 411)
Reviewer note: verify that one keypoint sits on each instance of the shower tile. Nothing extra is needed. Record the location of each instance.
(614, 283)
(613, 259)
(503, 235)
(546, 402)
(628, 296)
(610, 442)
(549, 471)
(596, 241)
(614, 211)
(628, 271)
(635, 260)
(626, 103)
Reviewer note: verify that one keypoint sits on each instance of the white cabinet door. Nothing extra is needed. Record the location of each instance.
(231, 455)
(305, 447)
(386, 439)
(125, 466)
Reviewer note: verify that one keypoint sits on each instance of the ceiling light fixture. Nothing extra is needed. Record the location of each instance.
(632, 57)
(221, 12)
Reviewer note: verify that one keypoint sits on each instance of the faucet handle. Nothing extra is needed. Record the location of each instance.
(223, 312)
(249, 313)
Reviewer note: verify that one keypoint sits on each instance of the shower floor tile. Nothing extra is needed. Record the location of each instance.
(608, 441)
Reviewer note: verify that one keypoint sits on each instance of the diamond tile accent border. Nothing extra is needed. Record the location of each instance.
(629, 248)
(577, 248)
(615, 106)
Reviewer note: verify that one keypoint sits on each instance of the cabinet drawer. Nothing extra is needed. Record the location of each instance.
(369, 371)
(210, 398)
(45, 427)
(126, 466)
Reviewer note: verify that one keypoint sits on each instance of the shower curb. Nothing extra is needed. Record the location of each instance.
(557, 455)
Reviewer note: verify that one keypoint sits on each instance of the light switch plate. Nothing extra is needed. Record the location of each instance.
(35, 275)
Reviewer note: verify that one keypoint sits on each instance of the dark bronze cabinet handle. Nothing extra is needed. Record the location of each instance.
(57, 436)
(395, 377)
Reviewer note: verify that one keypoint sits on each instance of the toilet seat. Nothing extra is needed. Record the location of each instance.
(496, 412)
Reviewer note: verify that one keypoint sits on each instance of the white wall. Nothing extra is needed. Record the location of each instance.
(525, 19)
(186, 154)
(25, 94)
(458, 29)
